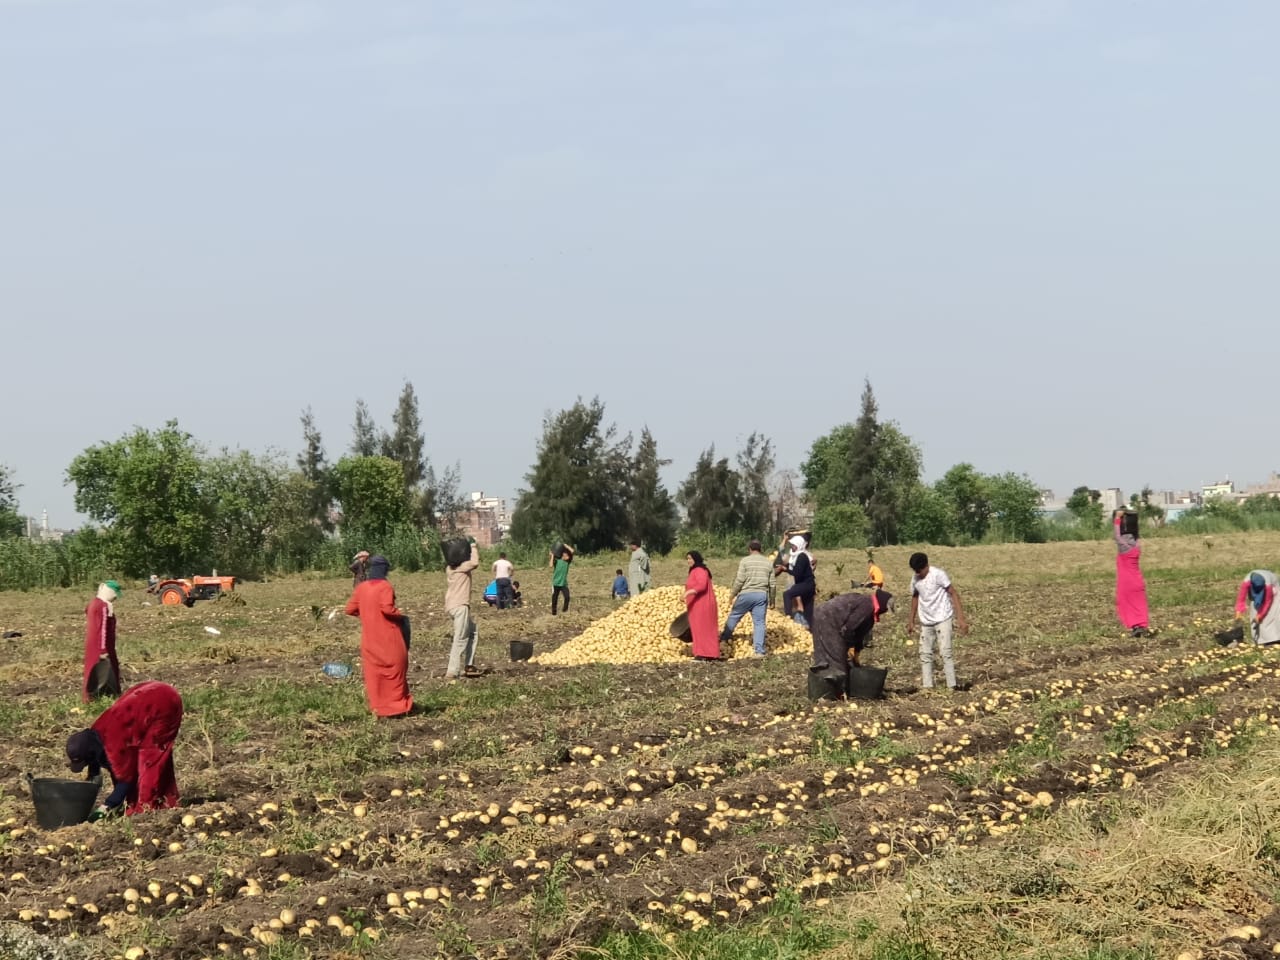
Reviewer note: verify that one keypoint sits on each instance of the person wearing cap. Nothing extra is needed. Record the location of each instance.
(359, 568)
(384, 652)
(100, 644)
(133, 741)
(1257, 595)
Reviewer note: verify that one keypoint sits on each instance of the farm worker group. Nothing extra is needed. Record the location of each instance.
(133, 741)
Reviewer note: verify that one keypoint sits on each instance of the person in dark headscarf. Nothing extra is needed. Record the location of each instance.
(700, 600)
(1257, 595)
(384, 654)
(133, 741)
(842, 626)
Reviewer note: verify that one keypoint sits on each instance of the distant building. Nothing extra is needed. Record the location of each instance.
(485, 518)
(1221, 488)
(1268, 488)
(40, 530)
(1112, 500)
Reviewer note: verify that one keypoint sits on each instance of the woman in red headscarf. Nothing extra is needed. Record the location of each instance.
(133, 741)
(384, 653)
(100, 645)
(700, 599)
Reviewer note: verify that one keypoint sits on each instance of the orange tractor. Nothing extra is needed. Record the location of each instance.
(188, 591)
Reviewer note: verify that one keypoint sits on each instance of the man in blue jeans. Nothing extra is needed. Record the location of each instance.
(750, 594)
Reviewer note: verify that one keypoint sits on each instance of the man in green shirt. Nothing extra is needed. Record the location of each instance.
(639, 569)
(750, 594)
(560, 577)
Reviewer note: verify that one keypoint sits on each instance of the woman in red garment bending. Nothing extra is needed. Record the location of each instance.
(133, 741)
(700, 599)
(384, 655)
(100, 643)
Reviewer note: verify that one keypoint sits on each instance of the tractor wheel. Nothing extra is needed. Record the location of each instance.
(171, 596)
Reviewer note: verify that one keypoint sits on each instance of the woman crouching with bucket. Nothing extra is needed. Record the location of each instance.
(133, 741)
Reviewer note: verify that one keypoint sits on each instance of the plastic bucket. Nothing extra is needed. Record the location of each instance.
(866, 683)
(61, 803)
(825, 683)
(521, 650)
(680, 628)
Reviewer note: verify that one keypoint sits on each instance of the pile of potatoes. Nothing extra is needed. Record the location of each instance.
(639, 632)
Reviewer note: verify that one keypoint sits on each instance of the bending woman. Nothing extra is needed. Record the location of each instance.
(133, 741)
(1257, 594)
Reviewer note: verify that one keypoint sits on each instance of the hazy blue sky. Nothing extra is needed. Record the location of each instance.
(1045, 230)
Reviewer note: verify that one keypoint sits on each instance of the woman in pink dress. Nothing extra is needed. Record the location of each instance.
(700, 599)
(1131, 589)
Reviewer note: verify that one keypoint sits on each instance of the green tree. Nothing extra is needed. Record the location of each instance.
(870, 463)
(826, 470)
(928, 518)
(146, 489)
(10, 521)
(894, 477)
(840, 525)
(1086, 506)
(652, 514)
(365, 441)
(1258, 505)
(370, 491)
(1152, 513)
(577, 489)
(710, 495)
(966, 490)
(295, 537)
(1015, 507)
(755, 466)
(242, 490)
(406, 445)
(314, 470)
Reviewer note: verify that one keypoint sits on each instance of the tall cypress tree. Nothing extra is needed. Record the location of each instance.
(314, 469)
(364, 440)
(654, 518)
(578, 484)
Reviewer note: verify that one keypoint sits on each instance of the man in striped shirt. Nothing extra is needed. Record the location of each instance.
(750, 594)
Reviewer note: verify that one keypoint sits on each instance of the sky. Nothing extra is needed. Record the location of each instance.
(1044, 230)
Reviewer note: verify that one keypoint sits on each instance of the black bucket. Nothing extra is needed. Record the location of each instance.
(521, 650)
(61, 803)
(680, 628)
(866, 683)
(825, 683)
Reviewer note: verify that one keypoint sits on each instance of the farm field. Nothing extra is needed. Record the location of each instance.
(1086, 795)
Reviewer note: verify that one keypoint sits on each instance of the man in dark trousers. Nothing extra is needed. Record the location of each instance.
(841, 625)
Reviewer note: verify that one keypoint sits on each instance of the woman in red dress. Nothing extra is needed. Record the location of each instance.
(133, 741)
(700, 600)
(384, 654)
(100, 643)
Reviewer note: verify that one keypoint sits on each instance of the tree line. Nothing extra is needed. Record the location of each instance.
(162, 503)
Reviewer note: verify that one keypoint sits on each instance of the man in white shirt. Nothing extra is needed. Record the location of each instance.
(936, 604)
(502, 571)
